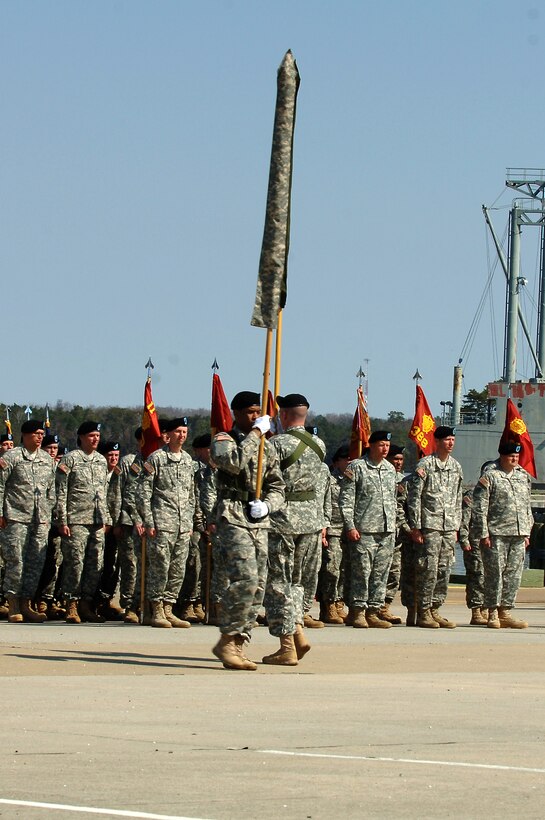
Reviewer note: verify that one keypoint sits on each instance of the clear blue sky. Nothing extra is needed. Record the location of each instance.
(135, 145)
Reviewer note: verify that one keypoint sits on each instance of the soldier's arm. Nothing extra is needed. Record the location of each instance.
(273, 485)
(347, 501)
(62, 474)
(481, 503)
(5, 471)
(463, 535)
(208, 495)
(415, 488)
(231, 457)
(144, 490)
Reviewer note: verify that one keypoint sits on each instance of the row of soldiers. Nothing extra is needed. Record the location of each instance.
(345, 535)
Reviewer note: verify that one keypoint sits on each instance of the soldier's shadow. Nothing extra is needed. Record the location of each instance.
(123, 658)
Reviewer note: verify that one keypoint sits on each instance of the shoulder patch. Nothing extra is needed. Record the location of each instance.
(135, 468)
(3, 463)
(349, 474)
(149, 468)
(467, 500)
(63, 468)
(484, 481)
(117, 470)
(421, 472)
(222, 437)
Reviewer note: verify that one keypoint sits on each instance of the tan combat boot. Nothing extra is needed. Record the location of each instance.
(484, 613)
(477, 618)
(302, 645)
(158, 617)
(349, 617)
(4, 609)
(172, 619)
(200, 614)
(425, 620)
(72, 616)
(340, 609)
(375, 621)
(286, 655)
(87, 613)
(30, 614)
(493, 620)
(131, 617)
(386, 614)
(14, 613)
(507, 621)
(187, 613)
(41, 608)
(358, 619)
(331, 614)
(226, 651)
(410, 620)
(444, 623)
(240, 642)
(312, 623)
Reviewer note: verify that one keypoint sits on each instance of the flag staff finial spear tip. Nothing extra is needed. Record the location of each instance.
(360, 374)
(215, 365)
(149, 364)
(417, 377)
(28, 412)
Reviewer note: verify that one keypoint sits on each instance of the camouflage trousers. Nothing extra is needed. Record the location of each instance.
(370, 558)
(218, 575)
(110, 567)
(409, 554)
(244, 559)
(23, 547)
(82, 556)
(283, 596)
(503, 562)
(345, 576)
(52, 564)
(130, 567)
(330, 570)
(394, 575)
(165, 565)
(195, 569)
(306, 566)
(434, 559)
(473, 563)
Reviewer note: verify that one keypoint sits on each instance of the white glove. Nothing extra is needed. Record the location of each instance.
(258, 509)
(263, 424)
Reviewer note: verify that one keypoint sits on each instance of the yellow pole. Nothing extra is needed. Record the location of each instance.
(142, 577)
(264, 398)
(278, 356)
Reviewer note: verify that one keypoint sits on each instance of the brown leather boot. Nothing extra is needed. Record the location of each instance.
(477, 618)
(172, 619)
(131, 617)
(425, 620)
(187, 612)
(87, 613)
(410, 620)
(375, 621)
(41, 608)
(226, 651)
(4, 609)
(302, 645)
(110, 612)
(200, 614)
(484, 613)
(286, 655)
(72, 615)
(158, 617)
(331, 614)
(340, 609)
(357, 617)
(312, 623)
(493, 620)
(14, 612)
(240, 643)
(385, 614)
(444, 623)
(30, 614)
(507, 621)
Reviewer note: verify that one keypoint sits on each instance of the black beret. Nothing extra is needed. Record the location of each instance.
(379, 435)
(31, 426)
(312, 430)
(50, 439)
(395, 450)
(342, 452)
(163, 425)
(173, 424)
(292, 400)
(138, 433)
(508, 448)
(88, 427)
(444, 432)
(202, 441)
(245, 399)
(109, 446)
(6, 437)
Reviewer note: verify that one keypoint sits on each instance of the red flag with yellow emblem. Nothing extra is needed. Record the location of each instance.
(423, 425)
(150, 424)
(515, 430)
(221, 420)
(361, 428)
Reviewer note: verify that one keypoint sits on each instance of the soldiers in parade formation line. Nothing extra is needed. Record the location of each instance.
(74, 526)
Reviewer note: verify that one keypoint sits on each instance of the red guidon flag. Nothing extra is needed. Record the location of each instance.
(361, 428)
(220, 412)
(516, 430)
(423, 425)
(150, 424)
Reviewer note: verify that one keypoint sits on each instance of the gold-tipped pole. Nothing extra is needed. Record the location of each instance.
(264, 402)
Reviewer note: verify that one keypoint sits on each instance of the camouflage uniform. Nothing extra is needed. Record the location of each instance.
(408, 548)
(368, 504)
(502, 511)
(473, 561)
(295, 530)
(434, 506)
(130, 543)
(242, 541)
(27, 495)
(329, 580)
(195, 568)
(81, 505)
(309, 569)
(209, 498)
(165, 498)
(394, 574)
(110, 569)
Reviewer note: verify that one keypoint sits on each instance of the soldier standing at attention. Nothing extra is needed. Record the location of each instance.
(242, 524)
(434, 511)
(27, 495)
(132, 530)
(295, 529)
(165, 498)
(81, 513)
(396, 458)
(502, 520)
(110, 569)
(368, 508)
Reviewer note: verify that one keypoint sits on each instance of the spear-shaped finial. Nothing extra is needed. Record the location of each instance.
(28, 412)
(215, 365)
(47, 423)
(361, 375)
(417, 377)
(149, 364)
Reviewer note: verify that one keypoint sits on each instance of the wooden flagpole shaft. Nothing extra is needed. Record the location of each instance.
(278, 356)
(264, 398)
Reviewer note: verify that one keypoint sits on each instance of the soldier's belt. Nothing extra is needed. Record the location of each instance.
(236, 495)
(308, 495)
